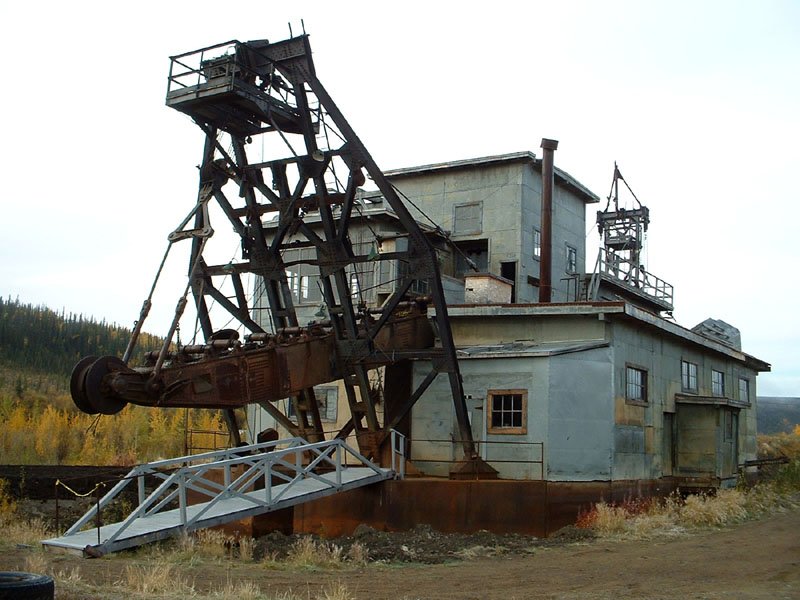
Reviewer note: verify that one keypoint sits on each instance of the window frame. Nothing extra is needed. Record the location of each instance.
(574, 251)
(746, 381)
(537, 244)
(717, 383)
(686, 381)
(643, 384)
(522, 429)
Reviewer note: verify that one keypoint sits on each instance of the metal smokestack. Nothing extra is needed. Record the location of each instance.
(546, 262)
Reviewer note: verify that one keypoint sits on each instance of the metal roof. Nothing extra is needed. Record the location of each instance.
(562, 177)
(622, 309)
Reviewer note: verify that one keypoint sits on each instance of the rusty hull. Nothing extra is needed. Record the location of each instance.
(537, 508)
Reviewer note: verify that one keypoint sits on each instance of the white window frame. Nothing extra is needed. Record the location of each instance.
(746, 396)
(717, 383)
(688, 375)
(635, 384)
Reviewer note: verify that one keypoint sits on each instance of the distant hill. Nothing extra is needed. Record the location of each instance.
(39, 346)
(777, 414)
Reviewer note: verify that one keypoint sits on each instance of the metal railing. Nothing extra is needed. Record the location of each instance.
(527, 453)
(198, 67)
(635, 277)
(197, 439)
(288, 461)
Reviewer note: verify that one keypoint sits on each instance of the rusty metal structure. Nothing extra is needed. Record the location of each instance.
(623, 230)
(238, 94)
(620, 260)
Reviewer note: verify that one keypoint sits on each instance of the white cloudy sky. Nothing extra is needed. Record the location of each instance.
(697, 101)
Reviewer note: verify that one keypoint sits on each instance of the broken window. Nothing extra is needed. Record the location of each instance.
(467, 218)
(636, 384)
(471, 253)
(572, 259)
(537, 244)
(507, 411)
(717, 383)
(744, 389)
(688, 376)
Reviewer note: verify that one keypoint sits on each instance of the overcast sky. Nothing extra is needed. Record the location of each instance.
(699, 102)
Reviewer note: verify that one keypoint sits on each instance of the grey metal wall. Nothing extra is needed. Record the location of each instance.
(569, 422)
(510, 196)
(580, 423)
(639, 430)
(569, 227)
(434, 427)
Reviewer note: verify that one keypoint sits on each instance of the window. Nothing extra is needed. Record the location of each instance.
(467, 218)
(508, 411)
(537, 244)
(636, 384)
(302, 278)
(717, 383)
(572, 259)
(688, 376)
(744, 389)
(327, 399)
(475, 252)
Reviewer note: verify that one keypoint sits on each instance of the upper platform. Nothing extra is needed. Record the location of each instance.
(236, 87)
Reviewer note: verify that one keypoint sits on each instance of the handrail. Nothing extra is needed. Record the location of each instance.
(532, 453)
(298, 461)
(623, 271)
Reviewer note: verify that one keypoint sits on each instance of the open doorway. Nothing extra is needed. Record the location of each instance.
(508, 270)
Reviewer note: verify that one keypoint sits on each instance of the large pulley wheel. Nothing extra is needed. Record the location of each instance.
(77, 388)
(99, 394)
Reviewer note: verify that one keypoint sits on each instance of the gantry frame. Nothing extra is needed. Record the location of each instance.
(261, 88)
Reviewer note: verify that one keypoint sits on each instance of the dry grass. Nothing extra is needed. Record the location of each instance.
(358, 554)
(780, 445)
(336, 591)
(246, 546)
(242, 590)
(159, 579)
(675, 516)
(14, 529)
(307, 553)
(474, 552)
(211, 543)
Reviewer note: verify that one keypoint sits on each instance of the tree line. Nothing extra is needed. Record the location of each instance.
(37, 338)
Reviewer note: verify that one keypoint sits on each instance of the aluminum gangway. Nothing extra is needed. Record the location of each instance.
(255, 479)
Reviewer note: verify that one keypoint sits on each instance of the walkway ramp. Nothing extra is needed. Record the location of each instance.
(255, 479)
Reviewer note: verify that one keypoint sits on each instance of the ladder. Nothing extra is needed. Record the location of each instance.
(256, 479)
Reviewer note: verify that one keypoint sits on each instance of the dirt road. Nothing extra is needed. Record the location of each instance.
(754, 560)
(758, 559)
